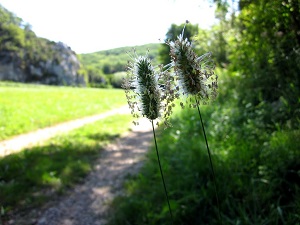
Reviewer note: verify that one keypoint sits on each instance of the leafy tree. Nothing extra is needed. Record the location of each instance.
(96, 78)
(214, 40)
(6, 17)
(107, 68)
(11, 37)
(171, 35)
(267, 59)
(116, 79)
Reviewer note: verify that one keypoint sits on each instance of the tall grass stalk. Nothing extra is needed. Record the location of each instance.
(210, 161)
(146, 98)
(161, 173)
(196, 78)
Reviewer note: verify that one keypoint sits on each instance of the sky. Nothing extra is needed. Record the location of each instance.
(94, 25)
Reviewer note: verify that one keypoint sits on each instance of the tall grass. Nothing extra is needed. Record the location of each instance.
(25, 108)
(186, 167)
(258, 173)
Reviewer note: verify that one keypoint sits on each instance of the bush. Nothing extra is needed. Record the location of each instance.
(116, 79)
(257, 171)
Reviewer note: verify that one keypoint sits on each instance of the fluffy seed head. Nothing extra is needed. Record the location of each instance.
(147, 87)
(149, 90)
(195, 74)
(141, 88)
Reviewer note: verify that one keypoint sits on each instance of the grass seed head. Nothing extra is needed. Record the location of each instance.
(150, 91)
(195, 74)
(141, 88)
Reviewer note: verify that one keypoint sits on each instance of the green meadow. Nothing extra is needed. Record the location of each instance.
(27, 107)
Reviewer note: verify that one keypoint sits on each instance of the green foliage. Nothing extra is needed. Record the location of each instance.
(254, 170)
(266, 57)
(11, 37)
(96, 78)
(116, 79)
(33, 176)
(28, 107)
(115, 60)
(145, 197)
(8, 17)
(253, 129)
(106, 68)
(173, 32)
(214, 40)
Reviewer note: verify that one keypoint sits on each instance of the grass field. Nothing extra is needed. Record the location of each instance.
(27, 107)
(29, 178)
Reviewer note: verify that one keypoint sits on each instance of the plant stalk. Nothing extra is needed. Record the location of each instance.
(210, 160)
(161, 173)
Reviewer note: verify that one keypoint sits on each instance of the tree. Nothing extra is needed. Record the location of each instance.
(11, 37)
(266, 58)
(173, 32)
(96, 78)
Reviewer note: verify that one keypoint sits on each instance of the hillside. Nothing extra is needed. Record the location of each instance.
(27, 58)
(24, 57)
(115, 60)
(107, 68)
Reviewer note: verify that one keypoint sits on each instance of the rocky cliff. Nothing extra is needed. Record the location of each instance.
(60, 69)
(24, 57)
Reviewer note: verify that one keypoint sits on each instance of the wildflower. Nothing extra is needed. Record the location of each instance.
(148, 89)
(195, 74)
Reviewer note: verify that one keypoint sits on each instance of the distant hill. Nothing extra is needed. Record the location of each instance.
(107, 68)
(115, 60)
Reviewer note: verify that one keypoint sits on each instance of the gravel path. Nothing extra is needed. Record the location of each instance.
(87, 203)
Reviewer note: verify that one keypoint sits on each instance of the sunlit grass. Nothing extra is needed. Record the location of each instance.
(25, 108)
(32, 176)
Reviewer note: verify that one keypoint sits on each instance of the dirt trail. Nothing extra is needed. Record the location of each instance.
(33, 138)
(88, 202)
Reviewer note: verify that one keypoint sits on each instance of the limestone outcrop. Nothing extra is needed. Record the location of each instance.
(60, 67)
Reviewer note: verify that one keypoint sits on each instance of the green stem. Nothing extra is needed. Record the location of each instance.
(210, 160)
(161, 173)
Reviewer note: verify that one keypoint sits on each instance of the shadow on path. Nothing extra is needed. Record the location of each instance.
(88, 203)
